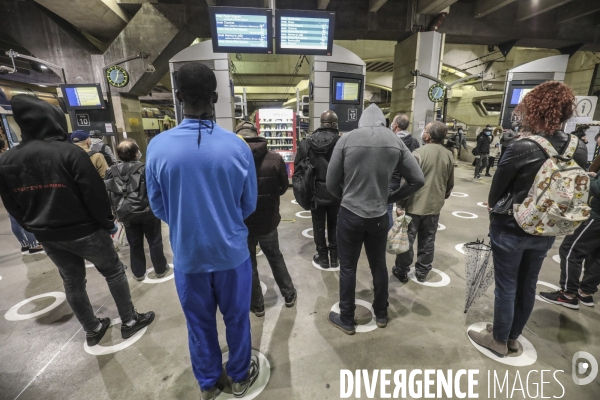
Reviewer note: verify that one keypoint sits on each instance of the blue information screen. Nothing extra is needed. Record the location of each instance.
(346, 91)
(83, 96)
(242, 31)
(518, 95)
(304, 33)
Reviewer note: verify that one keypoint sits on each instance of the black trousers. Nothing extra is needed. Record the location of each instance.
(321, 216)
(269, 244)
(491, 162)
(352, 232)
(582, 245)
(424, 228)
(135, 236)
(480, 163)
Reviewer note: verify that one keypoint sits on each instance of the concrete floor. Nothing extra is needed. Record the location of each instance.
(44, 358)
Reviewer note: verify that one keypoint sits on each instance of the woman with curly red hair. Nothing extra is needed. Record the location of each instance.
(518, 256)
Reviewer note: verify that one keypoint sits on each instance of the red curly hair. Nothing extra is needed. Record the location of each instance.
(546, 107)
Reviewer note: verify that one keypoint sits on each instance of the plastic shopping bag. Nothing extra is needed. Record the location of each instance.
(397, 240)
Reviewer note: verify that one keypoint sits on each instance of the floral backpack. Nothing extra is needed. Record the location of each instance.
(558, 200)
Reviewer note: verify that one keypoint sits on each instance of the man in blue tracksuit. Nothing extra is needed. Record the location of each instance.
(202, 182)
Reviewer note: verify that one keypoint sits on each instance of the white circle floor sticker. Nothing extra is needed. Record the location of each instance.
(13, 315)
(308, 233)
(301, 214)
(263, 287)
(261, 381)
(98, 350)
(441, 227)
(459, 194)
(368, 327)
(444, 282)
(169, 276)
(556, 258)
(317, 266)
(527, 357)
(468, 214)
(460, 248)
(481, 204)
(294, 202)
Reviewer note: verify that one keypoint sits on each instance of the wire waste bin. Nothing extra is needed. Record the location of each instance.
(479, 270)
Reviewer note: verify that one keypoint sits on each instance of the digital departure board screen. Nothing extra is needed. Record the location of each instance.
(305, 32)
(518, 95)
(346, 90)
(82, 97)
(241, 30)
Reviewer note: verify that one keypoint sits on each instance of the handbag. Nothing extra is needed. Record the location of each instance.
(397, 240)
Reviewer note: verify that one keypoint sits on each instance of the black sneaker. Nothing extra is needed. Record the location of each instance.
(141, 321)
(240, 389)
(585, 300)
(25, 250)
(335, 263)
(381, 321)
(335, 320)
(290, 301)
(322, 262)
(93, 338)
(36, 250)
(488, 175)
(158, 276)
(402, 277)
(559, 297)
(258, 311)
(421, 277)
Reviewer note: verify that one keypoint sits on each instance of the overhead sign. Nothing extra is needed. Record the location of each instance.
(241, 30)
(305, 32)
(586, 106)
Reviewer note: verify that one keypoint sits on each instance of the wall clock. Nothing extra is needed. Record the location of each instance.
(117, 76)
(437, 92)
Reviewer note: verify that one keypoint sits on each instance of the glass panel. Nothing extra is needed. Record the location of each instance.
(13, 130)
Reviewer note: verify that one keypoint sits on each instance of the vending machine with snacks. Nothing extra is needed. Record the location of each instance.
(278, 126)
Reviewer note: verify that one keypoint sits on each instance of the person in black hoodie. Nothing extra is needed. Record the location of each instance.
(482, 151)
(319, 147)
(53, 190)
(262, 223)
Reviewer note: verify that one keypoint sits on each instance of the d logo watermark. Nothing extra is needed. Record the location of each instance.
(581, 367)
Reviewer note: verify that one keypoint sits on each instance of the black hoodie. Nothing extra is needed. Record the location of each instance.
(48, 185)
(319, 147)
(273, 182)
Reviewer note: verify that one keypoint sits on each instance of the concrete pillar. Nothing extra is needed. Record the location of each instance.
(422, 51)
(128, 118)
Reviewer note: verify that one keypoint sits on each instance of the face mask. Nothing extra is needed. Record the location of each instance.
(488, 133)
(139, 155)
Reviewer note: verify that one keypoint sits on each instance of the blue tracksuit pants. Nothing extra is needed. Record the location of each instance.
(200, 294)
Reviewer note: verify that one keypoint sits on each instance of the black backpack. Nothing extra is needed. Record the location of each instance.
(102, 151)
(128, 196)
(303, 180)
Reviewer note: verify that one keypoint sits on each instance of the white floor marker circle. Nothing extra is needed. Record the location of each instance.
(263, 287)
(469, 215)
(13, 315)
(317, 266)
(441, 227)
(294, 202)
(368, 327)
(300, 214)
(260, 253)
(527, 357)
(308, 233)
(159, 280)
(261, 381)
(89, 264)
(556, 258)
(98, 350)
(460, 248)
(459, 194)
(480, 204)
(548, 285)
(444, 282)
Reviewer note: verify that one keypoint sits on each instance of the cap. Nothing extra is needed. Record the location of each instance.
(79, 136)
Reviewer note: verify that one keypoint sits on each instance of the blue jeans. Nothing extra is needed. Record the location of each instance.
(200, 294)
(517, 264)
(390, 212)
(25, 238)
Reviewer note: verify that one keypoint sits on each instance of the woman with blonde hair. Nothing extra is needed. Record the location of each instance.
(518, 256)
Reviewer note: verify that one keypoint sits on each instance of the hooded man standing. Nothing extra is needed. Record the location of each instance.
(262, 225)
(202, 182)
(359, 173)
(319, 147)
(53, 191)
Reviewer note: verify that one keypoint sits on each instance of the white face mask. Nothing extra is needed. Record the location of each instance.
(139, 155)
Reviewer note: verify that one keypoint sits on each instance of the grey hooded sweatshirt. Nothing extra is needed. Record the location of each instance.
(362, 164)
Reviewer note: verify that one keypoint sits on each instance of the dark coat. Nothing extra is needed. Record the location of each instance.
(483, 144)
(272, 183)
(319, 147)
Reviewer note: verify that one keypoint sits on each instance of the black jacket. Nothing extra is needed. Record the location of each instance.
(319, 147)
(410, 142)
(516, 173)
(48, 185)
(272, 183)
(483, 144)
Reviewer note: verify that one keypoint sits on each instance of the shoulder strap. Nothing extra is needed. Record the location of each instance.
(115, 172)
(571, 147)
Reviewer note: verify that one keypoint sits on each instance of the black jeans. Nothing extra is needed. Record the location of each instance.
(517, 264)
(424, 228)
(576, 248)
(98, 249)
(491, 162)
(480, 163)
(269, 244)
(135, 237)
(320, 216)
(352, 232)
